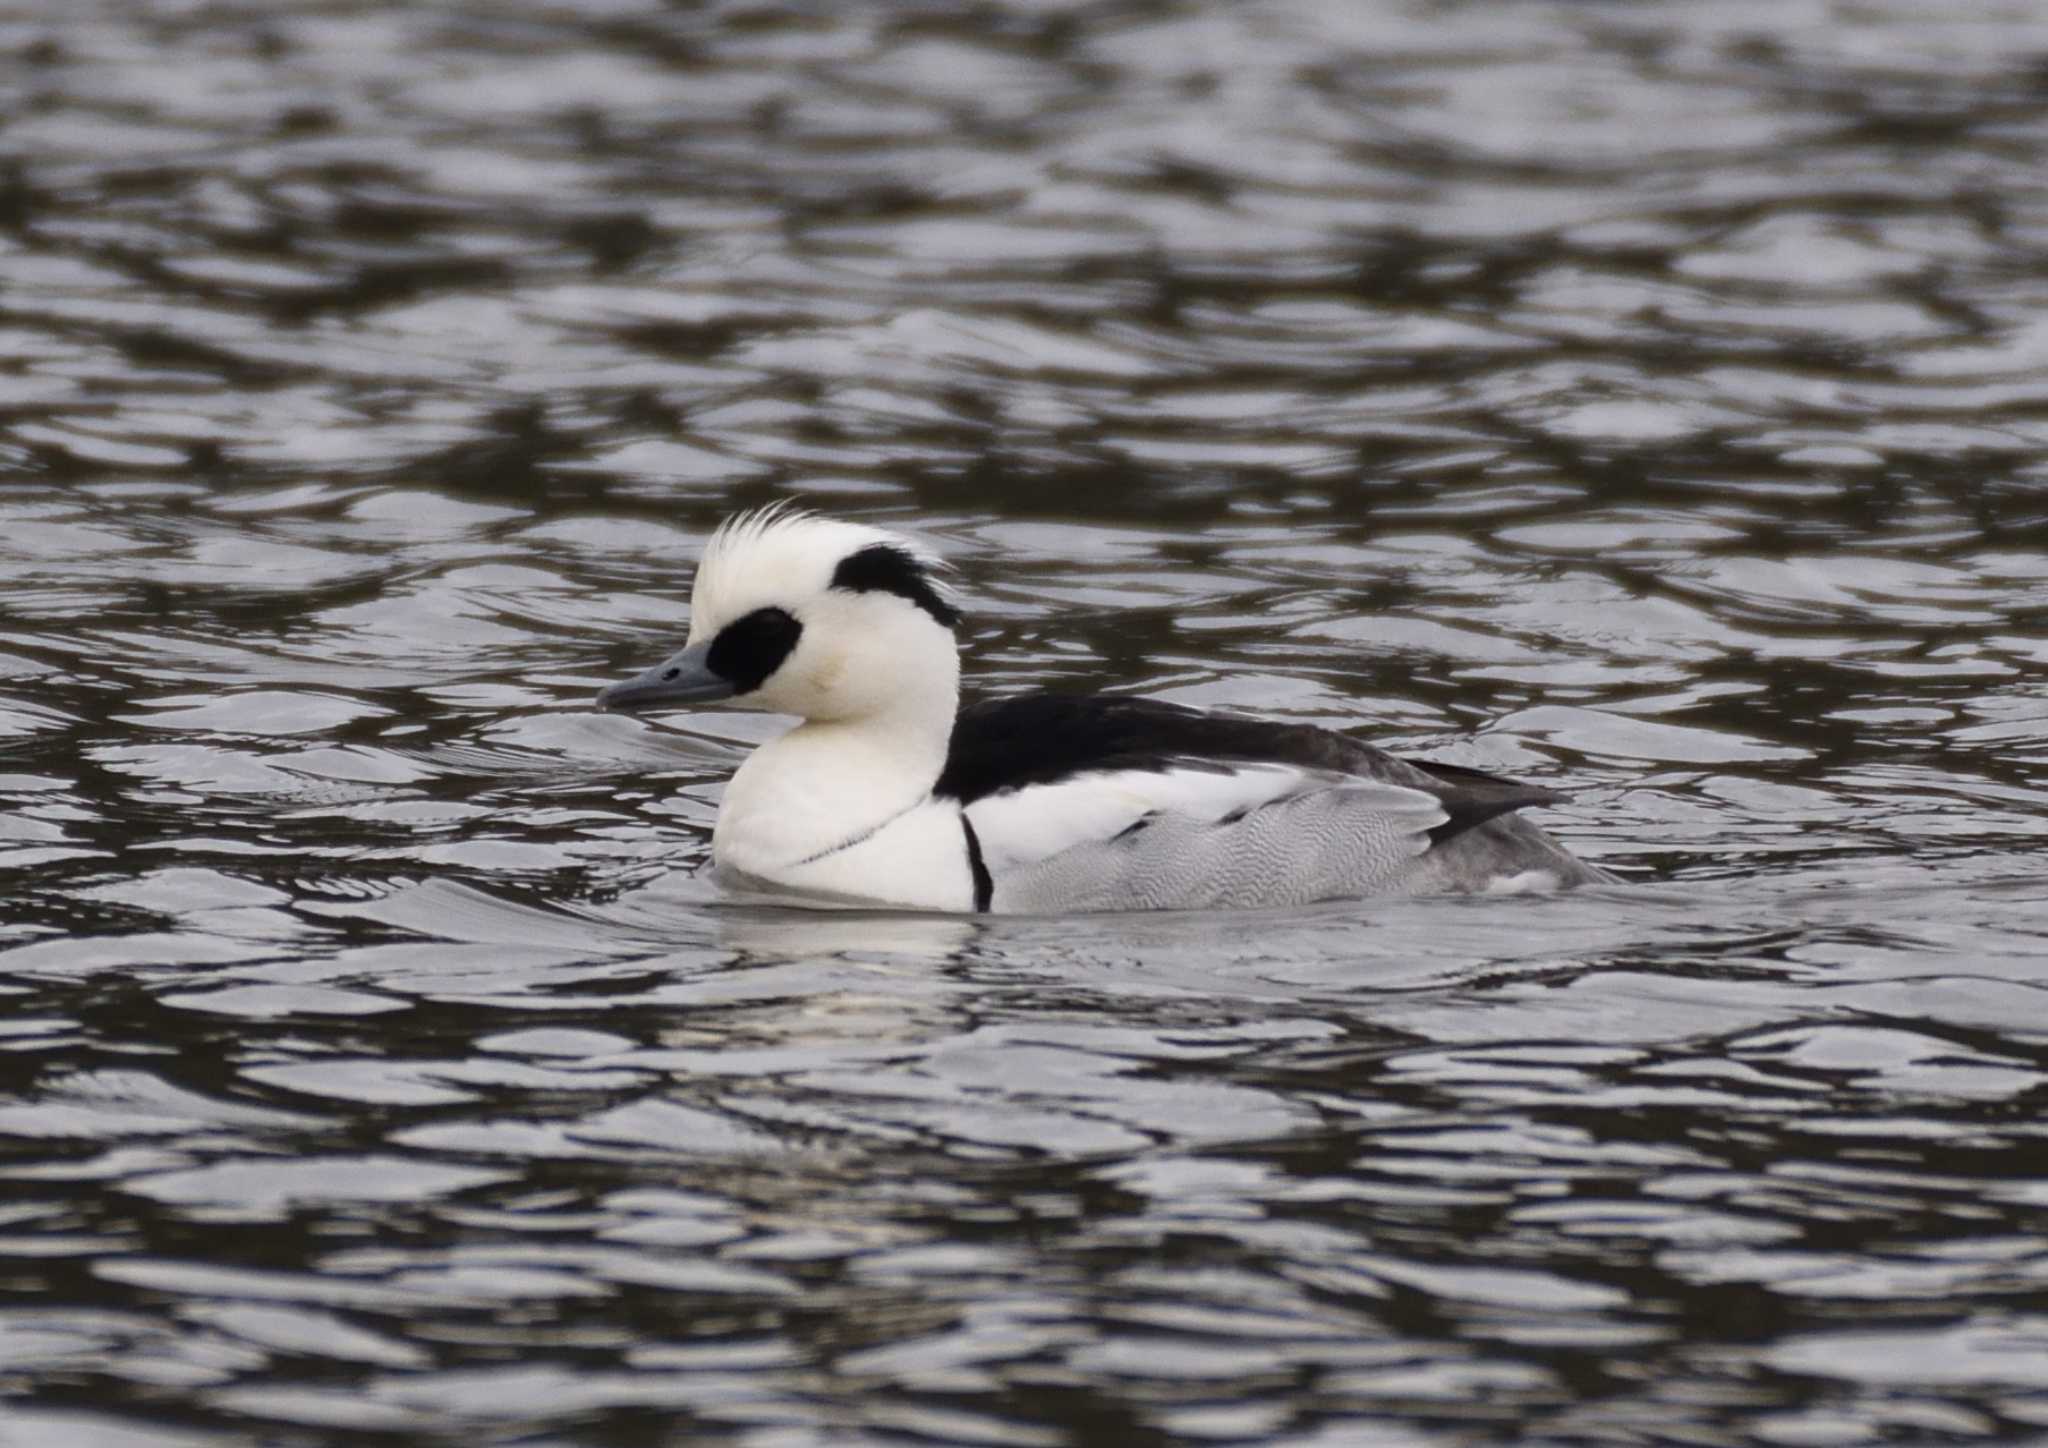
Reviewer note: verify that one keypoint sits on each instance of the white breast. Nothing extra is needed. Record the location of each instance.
(916, 861)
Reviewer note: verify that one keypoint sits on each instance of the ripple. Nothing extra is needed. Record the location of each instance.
(261, 1187)
(1642, 403)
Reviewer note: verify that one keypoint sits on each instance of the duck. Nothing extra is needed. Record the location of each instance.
(889, 792)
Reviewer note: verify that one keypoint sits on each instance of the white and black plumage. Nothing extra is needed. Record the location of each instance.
(888, 792)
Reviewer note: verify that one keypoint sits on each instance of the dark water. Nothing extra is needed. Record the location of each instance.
(1649, 397)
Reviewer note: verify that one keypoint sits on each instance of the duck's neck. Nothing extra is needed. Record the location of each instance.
(827, 783)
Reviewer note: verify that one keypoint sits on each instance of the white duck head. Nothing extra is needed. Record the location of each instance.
(835, 622)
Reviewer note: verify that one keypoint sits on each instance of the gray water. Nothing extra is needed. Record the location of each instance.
(1645, 399)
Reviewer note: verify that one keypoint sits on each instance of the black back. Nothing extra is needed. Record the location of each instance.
(1001, 744)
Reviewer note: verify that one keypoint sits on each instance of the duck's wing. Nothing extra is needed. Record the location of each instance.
(1023, 825)
(1343, 837)
(1109, 803)
(1001, 745)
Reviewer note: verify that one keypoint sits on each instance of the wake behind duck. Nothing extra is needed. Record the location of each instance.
(889, 793)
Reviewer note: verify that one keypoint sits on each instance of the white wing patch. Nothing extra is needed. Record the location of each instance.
(1020, 827)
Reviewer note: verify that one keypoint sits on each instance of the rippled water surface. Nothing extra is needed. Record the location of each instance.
(1645, 398)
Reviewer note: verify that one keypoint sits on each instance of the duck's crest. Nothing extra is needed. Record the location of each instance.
(744, 532)
(784, 541)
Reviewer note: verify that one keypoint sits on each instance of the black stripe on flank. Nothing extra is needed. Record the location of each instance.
(885, 568)
(984, 883)
(749, 649)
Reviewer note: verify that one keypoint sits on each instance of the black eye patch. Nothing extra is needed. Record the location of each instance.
(879, 568)
(749, 649)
